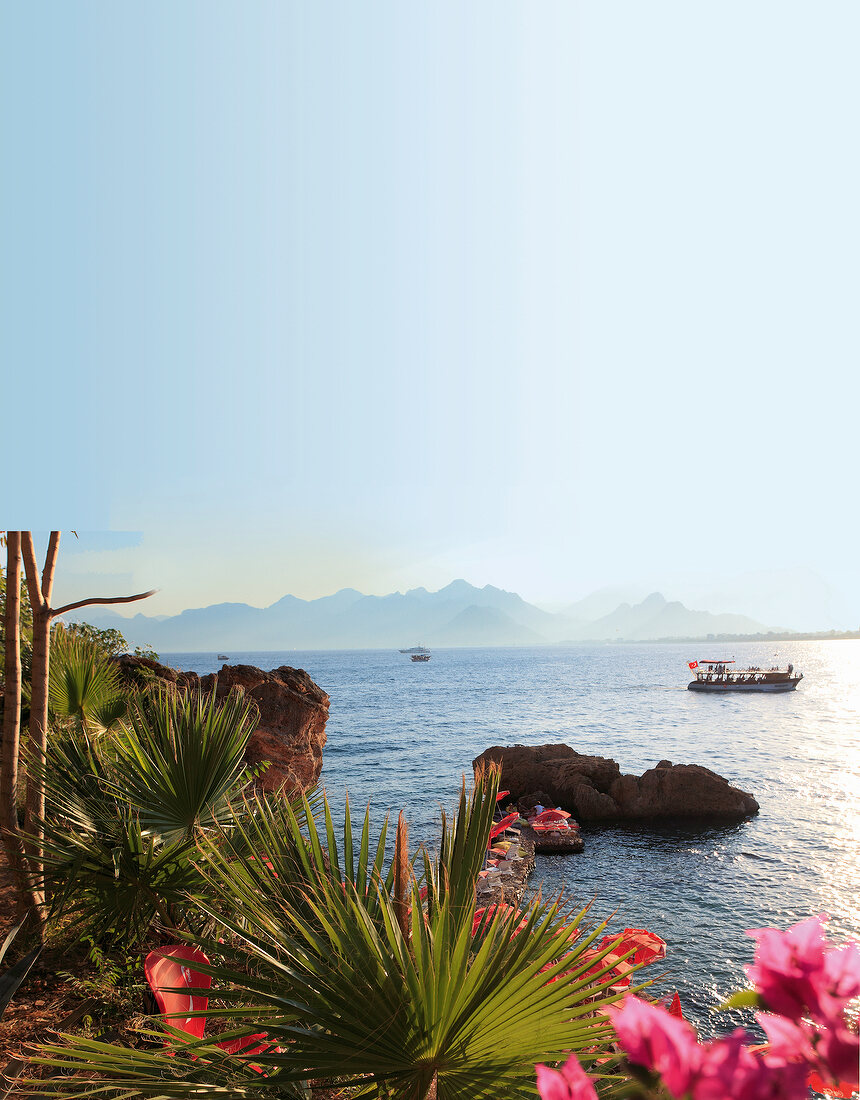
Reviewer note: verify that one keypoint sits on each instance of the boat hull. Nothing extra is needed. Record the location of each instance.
(712, 687)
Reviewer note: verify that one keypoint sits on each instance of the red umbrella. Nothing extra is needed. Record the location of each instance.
(648, 947)
(552, 815)
(500, 826)
(491, 911)
(501, 795)
(675, 1006)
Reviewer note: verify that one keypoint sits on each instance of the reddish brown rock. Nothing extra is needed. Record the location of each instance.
(293, 714)
(592, 788)
(681, 790)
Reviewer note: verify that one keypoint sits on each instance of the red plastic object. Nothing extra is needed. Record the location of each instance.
(169, 971)
(843, 1089)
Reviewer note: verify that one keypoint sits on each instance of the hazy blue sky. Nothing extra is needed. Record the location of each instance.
(551, 296)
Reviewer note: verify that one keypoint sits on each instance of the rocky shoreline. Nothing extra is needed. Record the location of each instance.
(293, 711)
(507, 882)
(593, 788)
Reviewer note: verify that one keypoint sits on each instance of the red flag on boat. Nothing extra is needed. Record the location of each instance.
(693, 664)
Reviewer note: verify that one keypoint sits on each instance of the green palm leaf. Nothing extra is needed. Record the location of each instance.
(180, 759)
(315, 957)
(83, 683)
(124, 809)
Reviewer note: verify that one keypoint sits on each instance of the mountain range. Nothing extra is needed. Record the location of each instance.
(458, 615)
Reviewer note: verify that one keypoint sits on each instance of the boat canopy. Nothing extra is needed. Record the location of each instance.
(720, 662)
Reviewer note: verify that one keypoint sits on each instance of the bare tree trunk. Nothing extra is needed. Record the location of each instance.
(40, 600)
(40, 591)
(12, 722)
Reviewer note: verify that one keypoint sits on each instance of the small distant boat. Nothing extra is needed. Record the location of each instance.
(713, 676)
(416, 649)
(223, 657)
(420, 656)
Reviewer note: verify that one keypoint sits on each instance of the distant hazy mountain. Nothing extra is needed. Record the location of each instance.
(655, 617)
(457, 615)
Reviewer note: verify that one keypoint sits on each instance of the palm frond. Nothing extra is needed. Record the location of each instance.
(180, 759)
(313, 954)
(83, 684)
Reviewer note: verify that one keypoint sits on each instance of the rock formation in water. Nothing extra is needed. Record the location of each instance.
(293, 713)
(592, 788)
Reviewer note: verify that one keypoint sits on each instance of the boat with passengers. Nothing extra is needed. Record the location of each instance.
(721, 675)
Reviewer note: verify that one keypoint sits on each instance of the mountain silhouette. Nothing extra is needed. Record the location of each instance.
(457, 615)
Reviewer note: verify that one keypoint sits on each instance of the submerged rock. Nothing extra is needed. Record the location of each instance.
(293, 714)
(592, 788)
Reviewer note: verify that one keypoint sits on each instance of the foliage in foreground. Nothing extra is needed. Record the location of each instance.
(355, 977)
(128, 799)
(802, 987)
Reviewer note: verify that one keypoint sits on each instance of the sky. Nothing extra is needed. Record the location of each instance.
(554, 297)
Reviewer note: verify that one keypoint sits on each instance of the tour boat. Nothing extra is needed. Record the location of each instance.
(420, 657)
(223, 657)
(719, 676)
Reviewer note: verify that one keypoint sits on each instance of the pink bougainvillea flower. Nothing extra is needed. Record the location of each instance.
(789, 967)
(653, 1038)
(838, 1050)
(840, 982)
(834, 1051)
(571, 1082)
(788, 1039)
(728, 1069)
(731, 1070)
(783, 1080)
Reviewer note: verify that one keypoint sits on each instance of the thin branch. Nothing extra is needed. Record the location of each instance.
(102, 599)
(50, 566)
(31, 571)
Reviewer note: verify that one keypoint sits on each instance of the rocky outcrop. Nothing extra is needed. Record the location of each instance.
(293, 714)
(592, 788)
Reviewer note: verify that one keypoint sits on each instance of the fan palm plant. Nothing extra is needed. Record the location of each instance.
(83, 684)
(312, 954)
(125, 808)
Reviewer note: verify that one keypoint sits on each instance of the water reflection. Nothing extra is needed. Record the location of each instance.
(401, 739)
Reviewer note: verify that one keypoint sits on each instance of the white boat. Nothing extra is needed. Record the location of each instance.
(719, 675)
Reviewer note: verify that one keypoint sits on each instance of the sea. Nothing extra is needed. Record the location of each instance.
(402, 735)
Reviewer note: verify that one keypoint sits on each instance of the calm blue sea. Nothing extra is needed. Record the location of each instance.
(401, 735)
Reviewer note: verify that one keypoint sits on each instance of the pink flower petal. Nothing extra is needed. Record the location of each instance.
(658, 1041)
(570, 1083)
(788, 1040)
